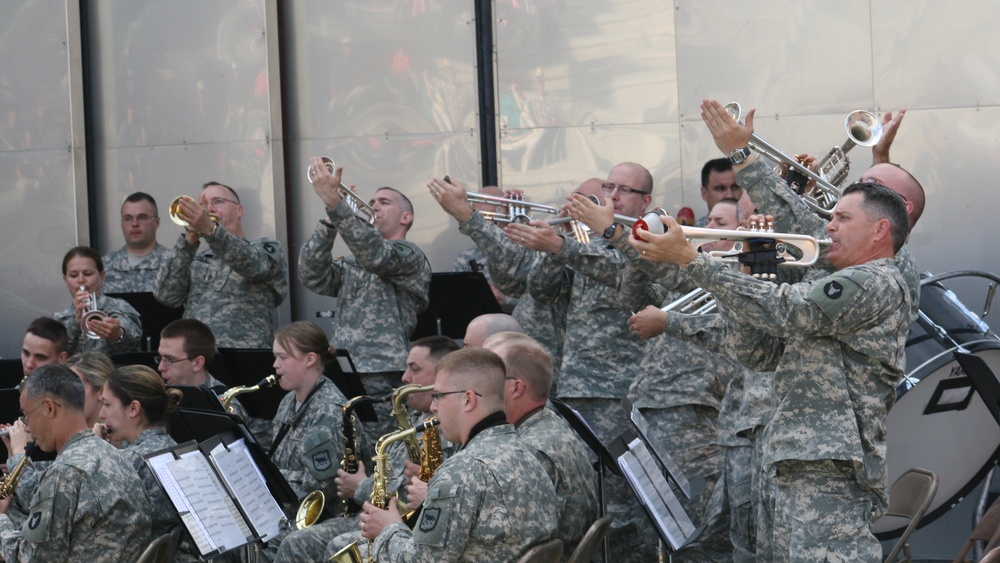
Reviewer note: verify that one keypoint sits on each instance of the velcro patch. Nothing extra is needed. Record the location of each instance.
(833, 293)
(439, 505)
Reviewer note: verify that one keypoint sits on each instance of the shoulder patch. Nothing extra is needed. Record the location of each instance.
(836, 291)
(270, 247)
(439, 507)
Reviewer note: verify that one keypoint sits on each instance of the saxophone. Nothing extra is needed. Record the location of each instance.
(351, 446)
(403, 418)
(9, 483)
(380, 494)
(232, 392)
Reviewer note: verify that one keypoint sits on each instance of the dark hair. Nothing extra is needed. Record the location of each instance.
(141, 196)
(50, 329)
(214, 183)
(437, 346)
(406, 204)
(714, 165)
(141, 383)
(85, 252)
(59, 382)
(198, 338)
(306, 337)
(879, 202)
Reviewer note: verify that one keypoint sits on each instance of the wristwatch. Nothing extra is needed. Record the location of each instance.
(739, 156)
(610, 231)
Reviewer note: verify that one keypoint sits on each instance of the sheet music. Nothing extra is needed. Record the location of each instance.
(247, 484)
(673, 470)
(652, 490)
(210, 505)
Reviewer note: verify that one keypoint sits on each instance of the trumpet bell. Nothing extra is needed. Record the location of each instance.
(174, 211)
(310, 510)
(91, 313)
(358, 206)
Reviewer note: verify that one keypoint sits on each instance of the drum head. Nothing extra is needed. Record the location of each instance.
(959, 445)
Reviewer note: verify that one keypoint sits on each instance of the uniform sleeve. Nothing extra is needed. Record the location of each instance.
(708, 331)
(318, 271)
(550, 282)
(256, 261)
(47, 533)
(772, 196)
(393, 259)
(173, 282)
(595, 260)
(508, 263)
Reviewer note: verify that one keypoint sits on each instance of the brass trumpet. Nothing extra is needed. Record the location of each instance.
(358, 206)
(509, 210)
(174, 211)
(90, 313)
(863, 128)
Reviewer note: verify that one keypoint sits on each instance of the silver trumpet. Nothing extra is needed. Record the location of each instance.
(509, 210)
(578, 229)
(90, 313)
(863, 128)
(695, 302)
(358, 206)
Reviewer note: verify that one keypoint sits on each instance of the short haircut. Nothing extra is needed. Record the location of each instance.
(93, 366)
(879, 202)
(50, 329)
(198, 338)
(437, 346)
(141, 383)
(405, 203)
(84, 252)
(714, 165)
(58, 382)
(141, 196)
(478, 369)
(526, 360)
(221, 185)
(306, 337)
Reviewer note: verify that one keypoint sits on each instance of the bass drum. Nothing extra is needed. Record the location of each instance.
(939, 422)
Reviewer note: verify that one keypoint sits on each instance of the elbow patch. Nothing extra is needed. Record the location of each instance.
(833, 293)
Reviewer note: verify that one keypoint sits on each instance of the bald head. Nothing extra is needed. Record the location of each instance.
(484, 326)
(591, 187)
(897, 179)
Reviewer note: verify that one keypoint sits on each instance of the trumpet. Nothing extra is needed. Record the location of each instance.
(174, 211)
(578, 229)
(863, 128)
(358, 206)
(695, 302)
(90, 313)
(509, 210)
(809, 247)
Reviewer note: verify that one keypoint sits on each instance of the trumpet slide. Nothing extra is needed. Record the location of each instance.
(509, 209)
(358, 206)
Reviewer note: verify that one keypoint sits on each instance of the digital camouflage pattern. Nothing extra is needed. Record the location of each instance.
(84, 509)
(119, 309)
(122, 277)
(489, 502)
(25, 489)
(566, 460)
(163, 514)
(380, 289)
(233, 286)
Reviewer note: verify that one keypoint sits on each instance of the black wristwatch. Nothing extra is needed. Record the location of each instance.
(739, 156)
(610, 231)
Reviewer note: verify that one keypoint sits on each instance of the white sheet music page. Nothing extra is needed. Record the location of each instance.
(209, 502)
(248, 486)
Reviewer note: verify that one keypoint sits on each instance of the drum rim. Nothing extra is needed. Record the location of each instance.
(990, 462)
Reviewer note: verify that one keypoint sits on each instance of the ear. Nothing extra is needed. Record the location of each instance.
(646, 200)
(62, 357)
(406, 218)
(198, 363)
(134, 408)
(704, 194)
(311, 359)
(471, 400)
(882, 229)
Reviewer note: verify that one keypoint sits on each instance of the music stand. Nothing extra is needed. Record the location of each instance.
(455, 299)
(248, 367)
(199, 398)
(135, 358)
(11, 374)
(154, 316)
(344, 375)
(604, 458)
(984, 381)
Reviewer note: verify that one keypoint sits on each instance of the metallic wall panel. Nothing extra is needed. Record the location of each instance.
(39, 199)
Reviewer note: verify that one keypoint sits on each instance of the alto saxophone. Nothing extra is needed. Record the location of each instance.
(403, 418)
(351, 446)
(9, 483)
(232, 392)
(380, 494)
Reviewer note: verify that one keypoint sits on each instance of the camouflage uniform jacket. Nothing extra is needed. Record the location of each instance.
(163, 513)
(836, 346)
(489, 502)
(127, 317)
(508, 265)
(380, 290)
(600, 354)
(233, 286)
(323, 414)
(123, 277)
(84, 509)
(791, 215)
(567, 462)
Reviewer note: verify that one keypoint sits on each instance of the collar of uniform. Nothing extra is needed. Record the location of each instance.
(496, 419)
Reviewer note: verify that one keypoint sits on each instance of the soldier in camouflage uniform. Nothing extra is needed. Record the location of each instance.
(45, 341)
(836, 346)
(490, 501)
(718, 182)
(309, 544)
(119, 331)
(474, 259)
(85, 507)
(547, 435)
(133, 267)
(235, 284)
(380, 289)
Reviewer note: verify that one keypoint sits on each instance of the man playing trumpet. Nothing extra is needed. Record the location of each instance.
(380, 290)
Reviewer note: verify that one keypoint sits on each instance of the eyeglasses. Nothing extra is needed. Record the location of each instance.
(437, 396)
(24, 414)
(138, 218)
(218, 201)
(609, 188)
(168, 361)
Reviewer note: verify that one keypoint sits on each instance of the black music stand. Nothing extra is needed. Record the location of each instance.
(11, 374)
(199, 398)
(154, 316)
(455, 299)
(984, 381)
(344, 375)
(135, 358)
(604, 458)
(248, 366)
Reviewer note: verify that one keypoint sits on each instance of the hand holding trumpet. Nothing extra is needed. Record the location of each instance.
(452, 197)
(536, 235)
(672, 246)
(198, 220)
(596, 216)
(728, 133)
(325, 180)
